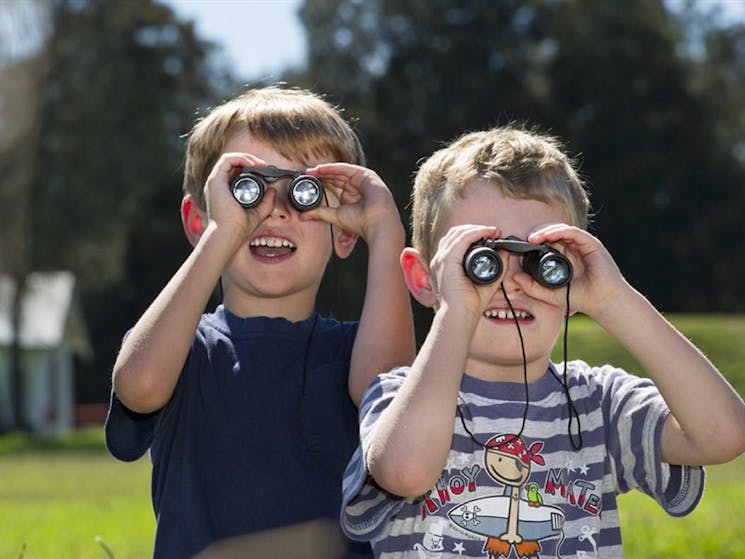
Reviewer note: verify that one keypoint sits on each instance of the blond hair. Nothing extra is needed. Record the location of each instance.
(297, 123)
(522, 164)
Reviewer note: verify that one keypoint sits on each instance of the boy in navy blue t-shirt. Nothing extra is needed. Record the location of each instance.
(249, 412)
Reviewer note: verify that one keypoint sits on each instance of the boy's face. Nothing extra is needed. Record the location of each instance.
(283, 260)
(495, 341)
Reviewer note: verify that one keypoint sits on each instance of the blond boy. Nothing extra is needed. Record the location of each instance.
(484, 447)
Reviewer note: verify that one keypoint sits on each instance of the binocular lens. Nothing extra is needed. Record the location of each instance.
(305, 193)
(247, 191)
(482, 265)
(554, 271)
(551, 269)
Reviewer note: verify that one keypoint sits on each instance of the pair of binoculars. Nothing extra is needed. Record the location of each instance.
(248, 187)
(548, 267)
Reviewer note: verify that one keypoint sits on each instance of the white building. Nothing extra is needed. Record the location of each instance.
(52, 333)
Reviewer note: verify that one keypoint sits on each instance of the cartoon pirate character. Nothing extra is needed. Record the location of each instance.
(507, 459)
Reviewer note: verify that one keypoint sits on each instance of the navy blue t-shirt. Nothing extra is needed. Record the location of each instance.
(256, 435)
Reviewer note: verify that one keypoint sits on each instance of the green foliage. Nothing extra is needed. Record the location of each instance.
(660, 181)
(652, 101)
(632, 88)
(126, 80)
(719, 337)
(80, 441)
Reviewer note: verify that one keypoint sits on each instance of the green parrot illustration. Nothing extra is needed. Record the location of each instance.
(534, 497)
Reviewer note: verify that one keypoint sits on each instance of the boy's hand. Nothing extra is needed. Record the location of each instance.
(452, 285)
(222, 207)
(359, 201)
(596, 280)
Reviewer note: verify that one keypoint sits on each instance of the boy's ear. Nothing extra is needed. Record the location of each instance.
(344, 242)
(191, 219)
(418, 280)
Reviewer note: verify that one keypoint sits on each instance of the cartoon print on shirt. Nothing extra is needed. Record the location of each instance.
(534, 496)
(587, 533)
(501, 519)
(431, 546)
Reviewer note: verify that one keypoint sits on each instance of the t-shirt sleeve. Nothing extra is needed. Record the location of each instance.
(365, 505)
(635, 413)
(128, 434)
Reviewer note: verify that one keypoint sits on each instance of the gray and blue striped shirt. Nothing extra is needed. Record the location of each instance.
(530, 491)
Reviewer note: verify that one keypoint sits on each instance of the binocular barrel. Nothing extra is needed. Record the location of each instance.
(483, 265)
(304, 193)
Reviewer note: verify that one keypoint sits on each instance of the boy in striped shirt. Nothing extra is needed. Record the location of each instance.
(484, 447)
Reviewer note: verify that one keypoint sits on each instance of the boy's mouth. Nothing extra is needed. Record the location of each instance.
(271, 247)
(506, 314)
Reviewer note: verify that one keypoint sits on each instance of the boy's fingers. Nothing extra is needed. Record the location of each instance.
(341, 188)
(322, 213)
(228, 161)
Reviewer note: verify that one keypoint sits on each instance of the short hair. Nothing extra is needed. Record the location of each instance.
(298, 123)
(521, 163)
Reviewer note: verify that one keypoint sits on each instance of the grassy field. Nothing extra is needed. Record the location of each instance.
(720, 337)
(714, 529)
(76, 502)
(72, 500)
(69, 499)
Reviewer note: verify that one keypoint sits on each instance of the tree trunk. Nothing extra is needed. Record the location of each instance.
(17, 388)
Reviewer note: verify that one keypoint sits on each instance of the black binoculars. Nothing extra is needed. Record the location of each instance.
(548, 267)
(305, 191)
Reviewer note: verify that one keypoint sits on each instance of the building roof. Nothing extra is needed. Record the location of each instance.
(50, 313)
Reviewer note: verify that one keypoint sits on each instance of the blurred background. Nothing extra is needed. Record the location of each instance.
(96, 96)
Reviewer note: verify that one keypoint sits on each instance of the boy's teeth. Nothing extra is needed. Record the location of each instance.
(504, 315)
(271, 242)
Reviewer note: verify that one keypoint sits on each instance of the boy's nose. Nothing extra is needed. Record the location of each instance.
(512, 265)
(281, 201)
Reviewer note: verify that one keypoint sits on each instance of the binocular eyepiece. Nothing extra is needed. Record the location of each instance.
(548, 267)
(248, 187)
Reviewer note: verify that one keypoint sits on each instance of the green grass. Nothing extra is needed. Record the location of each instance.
(72, 500)
(714, 529)
(720, 337)
(68, 499)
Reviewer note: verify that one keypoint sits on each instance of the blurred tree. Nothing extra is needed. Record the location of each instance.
(720, 84)
(622, 92)
(418, 73)
(615, 81)
(23, 65)
(653, 101)
(126, 80)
